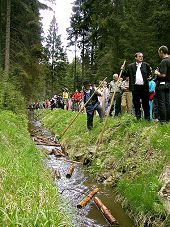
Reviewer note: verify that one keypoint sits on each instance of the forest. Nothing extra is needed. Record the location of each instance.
(35, 67)
(106, 32)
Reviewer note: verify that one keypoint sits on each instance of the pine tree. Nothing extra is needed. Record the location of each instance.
(57, 59)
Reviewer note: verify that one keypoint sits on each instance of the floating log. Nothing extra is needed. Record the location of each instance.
(87, 198)
(70, 172)
(57, 173)
(45, 141)
(56, 152)
(105, 211)
(47, 144)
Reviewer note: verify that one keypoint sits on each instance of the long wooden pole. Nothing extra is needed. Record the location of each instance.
(99, 139)
(71, 122)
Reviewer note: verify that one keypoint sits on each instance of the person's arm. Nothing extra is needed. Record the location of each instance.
(162, 70)
(159, 74)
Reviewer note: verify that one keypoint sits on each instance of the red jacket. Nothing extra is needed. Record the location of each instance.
(77, 96)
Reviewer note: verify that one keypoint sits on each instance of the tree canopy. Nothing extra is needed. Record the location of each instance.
(105, 31)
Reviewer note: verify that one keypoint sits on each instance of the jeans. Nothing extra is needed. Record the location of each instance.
(90, 116)
(163, 96)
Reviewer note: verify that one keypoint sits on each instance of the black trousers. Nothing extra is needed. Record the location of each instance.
(117, 99)
(163, 96)
(141, 93)
(90, 117)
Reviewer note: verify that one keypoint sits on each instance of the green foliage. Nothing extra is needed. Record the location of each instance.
(28, 196)
(56, 61)
(10, 98)
(26, 72)
(134, 153)
(111, 31)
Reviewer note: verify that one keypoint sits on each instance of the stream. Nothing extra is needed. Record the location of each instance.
(74, 189)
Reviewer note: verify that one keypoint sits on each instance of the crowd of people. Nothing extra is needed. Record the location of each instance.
(139, 91)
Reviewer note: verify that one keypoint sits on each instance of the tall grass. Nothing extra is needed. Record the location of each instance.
(28, 195)
(134, 153)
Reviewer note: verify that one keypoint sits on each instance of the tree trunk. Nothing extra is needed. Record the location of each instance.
(83, 49)
(75, 64)
(0, 33)
(7, 43)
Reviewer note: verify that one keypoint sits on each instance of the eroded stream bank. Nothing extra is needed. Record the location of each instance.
(73, 190)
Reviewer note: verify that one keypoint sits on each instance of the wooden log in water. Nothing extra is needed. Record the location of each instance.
(87, 198)
(56, 152)
(70, 172)
(107, 214)
(47, 144)
(45, 141)
(57, 173)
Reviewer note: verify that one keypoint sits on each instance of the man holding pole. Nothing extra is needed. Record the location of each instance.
(92, 105)
(114, 86)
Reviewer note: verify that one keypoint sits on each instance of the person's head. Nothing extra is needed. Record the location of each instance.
(115, 77)
(139, 57)
(87, 84)
(105, 83)
(163, 51)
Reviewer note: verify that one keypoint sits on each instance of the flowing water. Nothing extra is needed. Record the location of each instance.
(74, 189)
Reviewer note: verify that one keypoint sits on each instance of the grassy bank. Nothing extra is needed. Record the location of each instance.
(131, 158)
(28, 195)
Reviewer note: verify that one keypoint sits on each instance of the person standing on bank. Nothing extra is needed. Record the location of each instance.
(118, 95)
(93, 104)
(163, 85)
(139, 73)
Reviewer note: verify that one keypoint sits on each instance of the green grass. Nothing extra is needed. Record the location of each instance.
(133, 152)
(28, 195)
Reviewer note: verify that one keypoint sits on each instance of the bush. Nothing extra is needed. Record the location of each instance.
(10, 98)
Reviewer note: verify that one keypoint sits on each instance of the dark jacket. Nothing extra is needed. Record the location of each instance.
(131, 72)
(94, 99)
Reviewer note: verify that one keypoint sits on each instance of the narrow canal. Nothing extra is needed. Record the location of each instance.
(74, 189)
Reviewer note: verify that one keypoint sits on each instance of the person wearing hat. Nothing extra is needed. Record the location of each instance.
(93, 104)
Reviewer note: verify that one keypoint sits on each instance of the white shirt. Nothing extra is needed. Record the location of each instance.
(139, 77)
